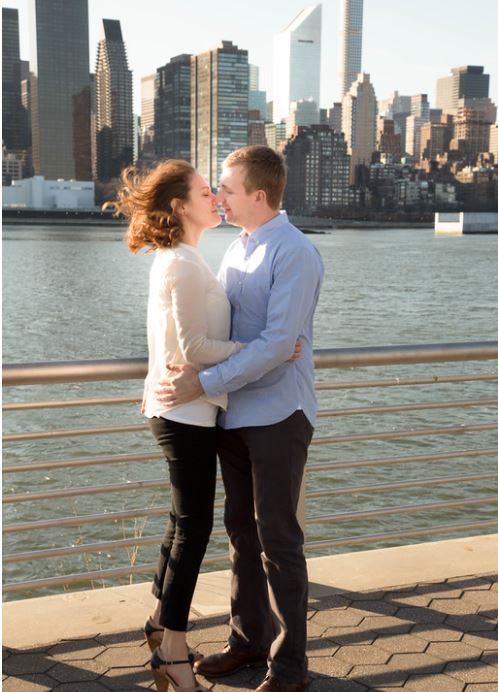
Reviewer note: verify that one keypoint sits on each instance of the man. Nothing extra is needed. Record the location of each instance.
(272, 276)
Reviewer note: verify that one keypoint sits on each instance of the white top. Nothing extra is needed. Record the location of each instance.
(188, 321)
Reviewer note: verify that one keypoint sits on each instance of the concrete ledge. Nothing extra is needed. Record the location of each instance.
(39, 621)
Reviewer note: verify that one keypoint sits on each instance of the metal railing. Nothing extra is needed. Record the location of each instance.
(129, 369)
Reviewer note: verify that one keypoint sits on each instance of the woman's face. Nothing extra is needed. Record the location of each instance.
(201, 209)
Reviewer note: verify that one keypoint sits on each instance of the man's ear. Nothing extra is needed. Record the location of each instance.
(260, 196)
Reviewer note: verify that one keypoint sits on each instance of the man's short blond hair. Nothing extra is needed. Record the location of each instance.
(265, 170)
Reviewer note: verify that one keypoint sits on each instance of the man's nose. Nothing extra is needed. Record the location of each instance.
(219, 196)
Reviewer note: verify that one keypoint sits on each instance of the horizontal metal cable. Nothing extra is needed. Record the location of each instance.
(99, 547)
(85, 519)
(402, 485)
(388, 435)
(96, 575)
(136, 368)
(394, 535)
(215, 559)
(90, 519)
(162, 511)
(87, 461)
(400, 509)
(67, 403)
(89, 490)
(127, 458)
(404, 459)
(405, 381)
(319, 386)
(400, 434)
(397, 408)
(163, 483)
(74, 432)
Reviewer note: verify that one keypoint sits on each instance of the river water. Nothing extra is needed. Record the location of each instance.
(77, 293)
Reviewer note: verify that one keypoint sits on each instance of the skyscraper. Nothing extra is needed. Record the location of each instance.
(468, 81)
(351, 39)
(172, 109)
(296, 62)
(14, 132)
(219, 107)
(359, 118)
(113, 95)
(146, 134)
(419, 114)
(60, 89)
(257, 98)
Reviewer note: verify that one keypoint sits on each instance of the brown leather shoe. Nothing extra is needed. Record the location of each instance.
(229, 661)
(271, 684)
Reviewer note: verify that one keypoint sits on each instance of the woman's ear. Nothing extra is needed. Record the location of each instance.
(176, 205)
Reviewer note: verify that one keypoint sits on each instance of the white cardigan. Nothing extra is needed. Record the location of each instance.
(188, 321)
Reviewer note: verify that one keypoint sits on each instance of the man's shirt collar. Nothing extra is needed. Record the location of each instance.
(260, 233)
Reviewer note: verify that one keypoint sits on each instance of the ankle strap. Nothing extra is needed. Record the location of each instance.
(157, 660)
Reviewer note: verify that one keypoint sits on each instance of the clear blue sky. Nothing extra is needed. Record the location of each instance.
(407, 44)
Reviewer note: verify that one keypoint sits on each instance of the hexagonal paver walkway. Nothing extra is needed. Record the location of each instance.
(428, 637)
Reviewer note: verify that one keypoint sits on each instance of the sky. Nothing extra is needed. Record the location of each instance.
(407, 44)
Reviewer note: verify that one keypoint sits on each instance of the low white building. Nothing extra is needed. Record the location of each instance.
(38, 193)
(458, 223)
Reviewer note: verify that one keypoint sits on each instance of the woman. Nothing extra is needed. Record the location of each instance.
(188, 321)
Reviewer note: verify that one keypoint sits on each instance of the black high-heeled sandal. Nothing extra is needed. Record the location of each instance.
(163, 678)
(154, 636)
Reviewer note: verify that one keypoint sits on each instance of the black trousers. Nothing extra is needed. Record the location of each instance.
(262, 471)
(190, 451)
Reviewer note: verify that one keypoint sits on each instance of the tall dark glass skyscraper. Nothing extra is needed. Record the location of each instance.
(219, 107)
(60, 89)
(114, 103)
(14, 126)
(172, 109)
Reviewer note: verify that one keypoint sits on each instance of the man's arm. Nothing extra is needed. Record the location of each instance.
(297, 278)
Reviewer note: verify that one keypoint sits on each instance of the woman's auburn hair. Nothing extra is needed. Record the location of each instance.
(144, 200)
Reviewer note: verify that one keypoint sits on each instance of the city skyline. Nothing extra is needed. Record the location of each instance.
(393, 63)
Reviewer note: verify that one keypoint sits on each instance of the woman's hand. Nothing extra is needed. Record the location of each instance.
(297, 352)
(144, 398)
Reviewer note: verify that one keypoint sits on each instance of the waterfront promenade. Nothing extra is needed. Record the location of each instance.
(421, 617)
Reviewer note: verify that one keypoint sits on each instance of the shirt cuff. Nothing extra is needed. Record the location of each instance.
(212, 382)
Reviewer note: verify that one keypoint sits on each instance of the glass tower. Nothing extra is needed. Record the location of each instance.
(172, 109)
(296, 63)
(351, 39)
(114, 103)
(60, 89)
(219, 107)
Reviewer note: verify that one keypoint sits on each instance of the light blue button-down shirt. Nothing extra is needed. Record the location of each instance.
(272, 278)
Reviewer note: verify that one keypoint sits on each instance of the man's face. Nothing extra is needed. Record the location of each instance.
(237, 202)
